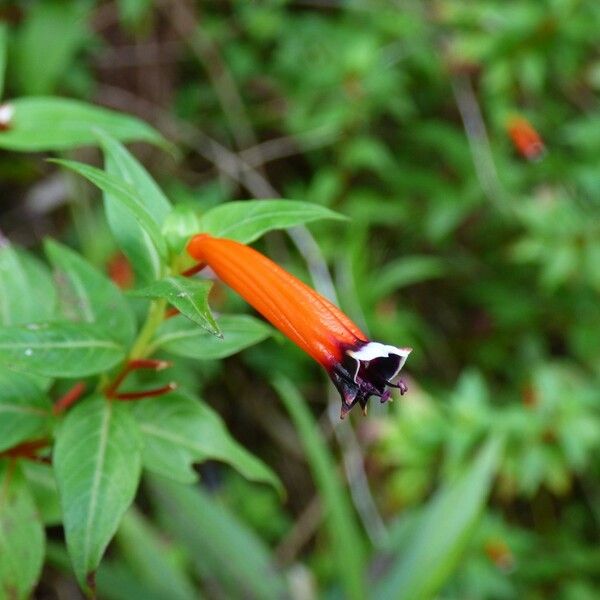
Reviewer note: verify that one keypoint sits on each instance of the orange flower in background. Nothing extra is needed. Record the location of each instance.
(525, 138)
(359, 368)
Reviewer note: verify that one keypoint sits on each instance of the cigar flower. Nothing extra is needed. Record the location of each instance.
(358, 367)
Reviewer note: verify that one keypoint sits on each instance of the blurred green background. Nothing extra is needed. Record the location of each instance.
(481, 482)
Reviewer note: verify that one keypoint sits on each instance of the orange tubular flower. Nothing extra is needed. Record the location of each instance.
(358, 367)
(525, 138)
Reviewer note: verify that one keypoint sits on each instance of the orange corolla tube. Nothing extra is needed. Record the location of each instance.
(358, 367)
(525, 138)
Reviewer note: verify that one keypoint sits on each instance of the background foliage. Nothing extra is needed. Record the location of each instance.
(482, 482)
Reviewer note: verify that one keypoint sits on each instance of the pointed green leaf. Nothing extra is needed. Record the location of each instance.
(437, 545)
(239, 332)
(21, 536)
(130, 235)
(246, 221)
(26, 290)
(348, 547)
(61, 349)
(219, 545)
(179, 430)
(46, 44)
(188, 296)
(125, 194)
(3, 47)
(25, 411)
(88, 295)
(47, 123)
(152, 558)
(42, 483)
(97, 463)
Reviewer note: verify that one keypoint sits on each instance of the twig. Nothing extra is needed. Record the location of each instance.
(67, 400)
(304, 528)
(478, 139)
(185, 22)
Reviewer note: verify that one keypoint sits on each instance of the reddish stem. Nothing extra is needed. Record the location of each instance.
(195, 269)
(67, 400)
(134, 365)
(171, 312)
(146, 393)
(26, 449)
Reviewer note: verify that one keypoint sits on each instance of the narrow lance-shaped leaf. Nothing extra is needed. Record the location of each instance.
(25, 411)
(239, 332)
(124, 193)
(47, 123)
(432, 554)
(219, 545)
(246, 221)
(3, 48)
(42, 484)
(347, 543)
(21, 535)
(179, 430)
(188, 296)
(89, 295)
(132, 238)
(153, 558)
(61, 349)
(97, 462)
(20, 274)
(45, 44)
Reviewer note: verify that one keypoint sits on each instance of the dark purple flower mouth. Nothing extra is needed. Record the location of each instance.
(368, 370)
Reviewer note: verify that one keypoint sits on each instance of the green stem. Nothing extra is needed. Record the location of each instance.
(156, 315)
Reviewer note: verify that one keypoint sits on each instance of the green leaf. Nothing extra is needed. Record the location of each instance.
(179, 430)
(127, 195)
(21, 536)
(25, 411)
(188, 296)
(239, 332)
(347, 544)
(152, 559)
(443, 532)
(219, 545)
(27, 293)
(42, 483)
(97, 463)
(88, 295)
(132, 238)
(404, 272)
(46, 123)
(181, 223)
(60, 349)
(46, 43)
(246, 221)
(3, 47)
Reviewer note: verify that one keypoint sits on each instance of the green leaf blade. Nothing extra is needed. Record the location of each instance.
(219, 545)
(25, 411)
(47, 123)
(132, 238)
(22, 539)
(125, 194)
(97, 463)
(90, 296)
(433, 553)
(60, 349)
(180, 430)
(348, 546)
(20, 273)
(188, 296)
(246, 221)
(239, 332)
